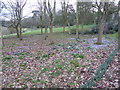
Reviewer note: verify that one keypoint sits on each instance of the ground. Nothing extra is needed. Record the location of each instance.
(57, 60)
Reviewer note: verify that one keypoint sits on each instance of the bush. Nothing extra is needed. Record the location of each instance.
(116, 27)
(109, 29)
(94, 30)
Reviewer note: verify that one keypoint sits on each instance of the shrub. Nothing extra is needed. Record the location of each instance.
(110, 28)
(116, 27)
(94, 30)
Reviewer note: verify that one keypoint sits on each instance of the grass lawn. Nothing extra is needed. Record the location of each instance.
(115, 35)
(38, 31)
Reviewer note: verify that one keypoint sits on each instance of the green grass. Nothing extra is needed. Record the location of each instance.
(38, 31)
(115, 35)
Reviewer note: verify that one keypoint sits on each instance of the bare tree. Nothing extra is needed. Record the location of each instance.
(119, 25)
(51, 12)
(41, 13)
(77, 27)
(16, 11)
(2, 6)
(84, 8)
(104, 9)
(64, 6)
(45, 16)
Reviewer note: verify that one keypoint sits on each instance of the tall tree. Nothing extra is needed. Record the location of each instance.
(104, 9)
(70, 17)
(64, 6)
(45, 16)
(2, 6)
(35, 18)
(16, 11)
(41, 13)
(84, 9)
(51, 12)
(77, 27)
(119, 25)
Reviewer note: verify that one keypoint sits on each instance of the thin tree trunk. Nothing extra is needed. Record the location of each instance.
(119, 25)
(41, 30)
(69, 31)
(101, 29)
(119, 33)
(46, 30)
(51, 31)
(82, 26)
(17, 32)
(2, 41)
(64, 28)
(77, 27)
(77, 30)
(20, 27)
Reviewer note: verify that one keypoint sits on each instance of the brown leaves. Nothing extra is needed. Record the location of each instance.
(56, 70)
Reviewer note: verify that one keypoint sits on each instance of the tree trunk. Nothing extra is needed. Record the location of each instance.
(17, 32)
(69, 31)
(82, 26)
(119, 25)
(77, 27)
(20, 27)
(64, 28)
(1, 41)
(51, 31)
(77, 30)
(119, 34)
(101, 29)
(41, 30)
(46, 30)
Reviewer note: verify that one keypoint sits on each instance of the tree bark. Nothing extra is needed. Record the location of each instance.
(64, 28)
(77, 27)
(20, 27)
(101, 29)
(82, 26)
(69, 31)
(51, 31)
(17, 32)
(41, 30)
(2, 41)
(46, 30)
(119, 25)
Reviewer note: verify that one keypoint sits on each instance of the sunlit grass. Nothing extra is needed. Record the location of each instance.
(38, 31)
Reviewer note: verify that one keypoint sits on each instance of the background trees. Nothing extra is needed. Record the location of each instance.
(102, 13)
(64, 6)
(16, 14)
(41, 13)
(85, 13)
(51, 12)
